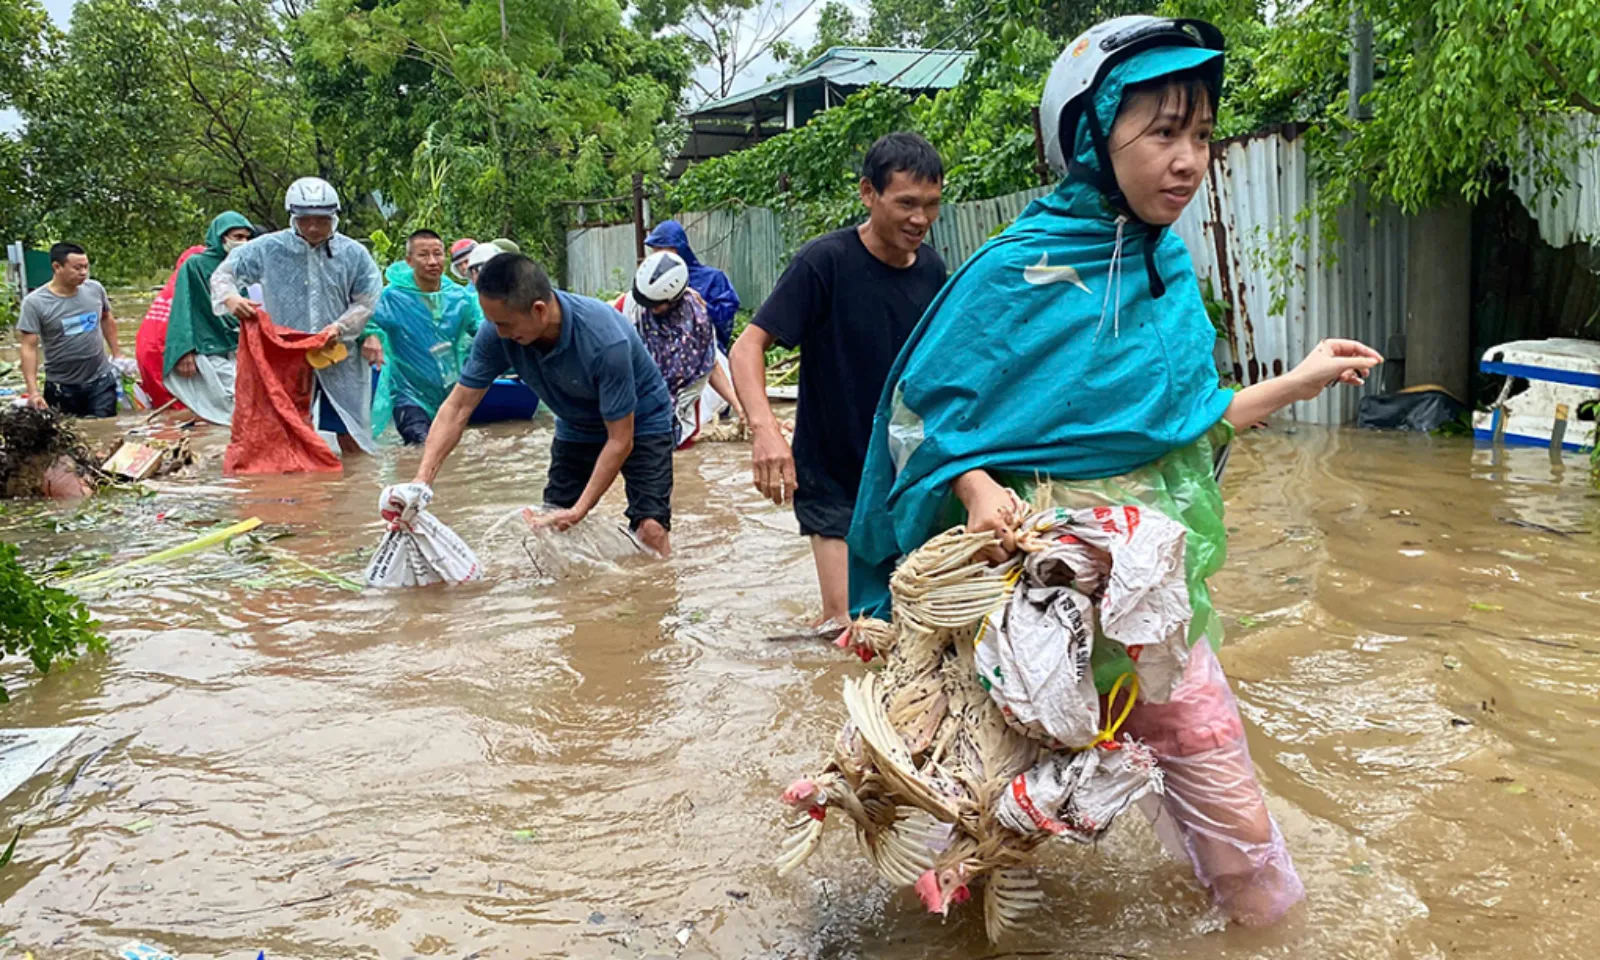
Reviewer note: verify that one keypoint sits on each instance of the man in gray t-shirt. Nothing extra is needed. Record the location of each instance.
(71, 318)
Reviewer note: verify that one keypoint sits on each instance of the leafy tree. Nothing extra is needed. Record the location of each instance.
(45, 624)
(837, 26)
(485, 125)
(727, 35)
(147, 118)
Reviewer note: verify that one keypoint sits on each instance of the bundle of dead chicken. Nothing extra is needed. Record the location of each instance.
(947, 790)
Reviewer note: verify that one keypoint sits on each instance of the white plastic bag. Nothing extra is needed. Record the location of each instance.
(418, 549)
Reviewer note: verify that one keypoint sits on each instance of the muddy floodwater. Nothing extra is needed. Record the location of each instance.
(588, 765)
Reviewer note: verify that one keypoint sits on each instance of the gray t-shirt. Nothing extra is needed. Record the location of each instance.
(69, 330)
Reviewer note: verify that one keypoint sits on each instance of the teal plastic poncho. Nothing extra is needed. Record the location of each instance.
(192, 326)
(426, 338)
(1047, 355)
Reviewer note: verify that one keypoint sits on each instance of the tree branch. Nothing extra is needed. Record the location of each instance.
(1575, 98)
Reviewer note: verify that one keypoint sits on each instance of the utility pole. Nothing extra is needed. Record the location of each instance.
(638, 217)
(1360, 63)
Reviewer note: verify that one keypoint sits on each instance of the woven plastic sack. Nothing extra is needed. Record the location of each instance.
(1077, 795)
(418, 549)
(272, 430)
(1181, 485)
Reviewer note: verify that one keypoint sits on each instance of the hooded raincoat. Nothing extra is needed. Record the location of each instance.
(426, 337)
(193, 327)
(1071, 357)
(307, 288)
(722, 303)
(1048, 354)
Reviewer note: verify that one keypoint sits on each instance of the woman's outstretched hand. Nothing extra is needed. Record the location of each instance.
(1334, 361)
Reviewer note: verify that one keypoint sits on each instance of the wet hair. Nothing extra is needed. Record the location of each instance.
(423, 234)
(1191, 89)
(61, 251)
(897, 152)
(515, 279)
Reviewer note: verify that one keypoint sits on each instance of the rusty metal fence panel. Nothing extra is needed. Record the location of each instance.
(1254, 241)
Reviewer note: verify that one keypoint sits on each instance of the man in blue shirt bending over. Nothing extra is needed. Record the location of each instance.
(589, 367)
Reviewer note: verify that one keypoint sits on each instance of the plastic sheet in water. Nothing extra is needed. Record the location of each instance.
(549, 553)
(24, 751)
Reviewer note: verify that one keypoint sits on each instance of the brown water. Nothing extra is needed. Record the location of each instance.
(585, 767)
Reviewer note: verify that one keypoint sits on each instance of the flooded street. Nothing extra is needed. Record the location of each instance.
(587, 766)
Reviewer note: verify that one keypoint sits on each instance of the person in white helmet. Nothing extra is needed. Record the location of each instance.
(1070, 362)
(314, 278)
(676, 328)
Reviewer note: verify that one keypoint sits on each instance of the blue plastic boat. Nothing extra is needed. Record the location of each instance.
(507, 399)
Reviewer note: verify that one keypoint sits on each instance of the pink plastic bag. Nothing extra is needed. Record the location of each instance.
(1213, 813)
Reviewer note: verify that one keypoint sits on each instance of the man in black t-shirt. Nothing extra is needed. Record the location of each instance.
(848, 300)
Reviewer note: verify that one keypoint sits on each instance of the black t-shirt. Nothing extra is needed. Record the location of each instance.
(850, 313)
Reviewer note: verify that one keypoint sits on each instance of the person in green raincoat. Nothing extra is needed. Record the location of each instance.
(426, 322)
(1069, 361)
(198, 361)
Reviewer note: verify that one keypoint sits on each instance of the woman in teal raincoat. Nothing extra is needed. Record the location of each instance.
(198, 360)
(1070, 360)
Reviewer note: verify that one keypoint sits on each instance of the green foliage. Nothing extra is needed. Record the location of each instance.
(45, 624)
(475, 131)
(11, 849)
(145, 120)
(9, 312)
(837, 26)
(813, 171)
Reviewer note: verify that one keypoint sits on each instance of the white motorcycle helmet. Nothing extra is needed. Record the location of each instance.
(311, 197)
(1085, 62)
(661, 278)
(482, 254)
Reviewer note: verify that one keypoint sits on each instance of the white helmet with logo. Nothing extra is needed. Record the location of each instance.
(311, 197)
(661, 278)
(1086, 61)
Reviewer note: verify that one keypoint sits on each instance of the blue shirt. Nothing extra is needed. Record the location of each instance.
(597, 372)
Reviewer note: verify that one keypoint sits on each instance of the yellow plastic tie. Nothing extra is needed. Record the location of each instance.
(1109, 733)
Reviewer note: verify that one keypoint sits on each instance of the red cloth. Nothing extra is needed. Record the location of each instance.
(150, 346)
(272, 430)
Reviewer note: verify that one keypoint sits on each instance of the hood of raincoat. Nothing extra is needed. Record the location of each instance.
(1041, 355)
(426, 338)
(192, 327)
(670, 233)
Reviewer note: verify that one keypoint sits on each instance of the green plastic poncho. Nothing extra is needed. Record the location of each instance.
(192, 326)
(426, 337)
(1048, 355)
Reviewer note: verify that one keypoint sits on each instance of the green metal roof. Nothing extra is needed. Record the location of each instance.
(907, 69)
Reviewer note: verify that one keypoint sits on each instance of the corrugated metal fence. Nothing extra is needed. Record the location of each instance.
(1251, 235)
(748, 245)
(1245, 230)
(1570, 213)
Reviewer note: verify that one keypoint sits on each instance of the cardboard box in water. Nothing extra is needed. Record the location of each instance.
(1549, 385)
(135, 460)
